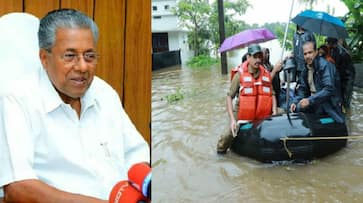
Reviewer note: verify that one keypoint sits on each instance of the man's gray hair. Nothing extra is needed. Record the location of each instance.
(63, 18)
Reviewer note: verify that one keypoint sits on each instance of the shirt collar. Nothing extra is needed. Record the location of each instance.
(52, 100)
(310, 67)
(89, 99)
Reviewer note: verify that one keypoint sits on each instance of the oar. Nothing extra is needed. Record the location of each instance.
(286, 30)
(288, 71)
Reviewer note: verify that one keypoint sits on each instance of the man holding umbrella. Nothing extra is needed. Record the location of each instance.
(300, 37)
(321, 23)
(319, 87)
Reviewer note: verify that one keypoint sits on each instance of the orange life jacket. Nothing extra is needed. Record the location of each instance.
(255, 96)
(236, 69)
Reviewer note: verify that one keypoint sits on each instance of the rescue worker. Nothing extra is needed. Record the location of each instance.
(252, 84)
(318, 91)
(345, 68)
(274, 75)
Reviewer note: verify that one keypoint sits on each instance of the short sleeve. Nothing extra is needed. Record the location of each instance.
(234, 88)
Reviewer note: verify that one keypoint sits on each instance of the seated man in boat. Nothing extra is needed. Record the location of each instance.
(255, 100)
(318, 91)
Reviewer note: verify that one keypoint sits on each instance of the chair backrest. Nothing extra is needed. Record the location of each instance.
(19, 50)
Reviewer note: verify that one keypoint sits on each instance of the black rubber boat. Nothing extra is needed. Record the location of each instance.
(275, 139)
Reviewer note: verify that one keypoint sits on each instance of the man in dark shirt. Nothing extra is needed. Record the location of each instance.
(300, 37)
(318, 91)
(345, 68)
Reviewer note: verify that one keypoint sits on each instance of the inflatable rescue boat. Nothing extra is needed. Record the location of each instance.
(301, 138)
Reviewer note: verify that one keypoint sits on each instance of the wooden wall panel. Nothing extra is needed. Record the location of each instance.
(40, 8)
(109, 16)
(137, 81)
(7, 6)
(85, 6)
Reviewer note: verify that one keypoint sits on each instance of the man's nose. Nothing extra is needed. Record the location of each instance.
(81, 64)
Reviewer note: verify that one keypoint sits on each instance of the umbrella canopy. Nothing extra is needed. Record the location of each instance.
(321, 23)
(246, 38)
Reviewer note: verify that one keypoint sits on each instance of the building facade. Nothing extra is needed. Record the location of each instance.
(167, 36)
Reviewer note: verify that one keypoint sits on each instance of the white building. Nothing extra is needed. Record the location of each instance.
(166, 35)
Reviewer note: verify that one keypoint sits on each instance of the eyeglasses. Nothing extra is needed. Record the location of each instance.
(73, 58)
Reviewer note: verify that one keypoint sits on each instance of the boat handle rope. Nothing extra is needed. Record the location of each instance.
(284, 139)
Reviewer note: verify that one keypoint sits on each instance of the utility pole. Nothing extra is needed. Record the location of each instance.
(222, 35)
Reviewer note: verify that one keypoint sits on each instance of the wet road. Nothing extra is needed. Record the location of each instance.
(186, 167)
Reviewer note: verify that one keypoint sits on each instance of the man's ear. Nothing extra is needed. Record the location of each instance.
(248, 57)
(43, 58)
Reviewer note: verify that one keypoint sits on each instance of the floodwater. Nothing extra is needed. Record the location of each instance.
(186, 167)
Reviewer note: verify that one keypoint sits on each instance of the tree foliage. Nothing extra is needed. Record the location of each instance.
(233, 10)
(201, 19)
(193, 15)
(279, 30)
(354, 25)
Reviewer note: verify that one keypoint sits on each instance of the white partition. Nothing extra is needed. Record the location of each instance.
(19, 50)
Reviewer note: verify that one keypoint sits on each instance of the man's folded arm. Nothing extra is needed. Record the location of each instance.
(35, 191)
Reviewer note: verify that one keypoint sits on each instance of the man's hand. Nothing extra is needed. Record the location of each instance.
(292, 107)
(233, 128)
(274, 111)
(277, 67)
(304, 103)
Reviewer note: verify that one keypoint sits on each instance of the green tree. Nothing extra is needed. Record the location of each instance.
(279, 30)
(201, 19)
(233, 10)
(354, 25)
(193, 15)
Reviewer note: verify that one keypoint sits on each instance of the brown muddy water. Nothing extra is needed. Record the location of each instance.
(186, 167)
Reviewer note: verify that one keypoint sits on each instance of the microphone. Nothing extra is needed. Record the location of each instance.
(140, 177)
(124, 192)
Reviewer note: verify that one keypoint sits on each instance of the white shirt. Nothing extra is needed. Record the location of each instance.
(42, 138)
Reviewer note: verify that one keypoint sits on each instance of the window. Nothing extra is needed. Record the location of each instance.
(157, 17)
(155, 8)
(160, 42)
(166, 7)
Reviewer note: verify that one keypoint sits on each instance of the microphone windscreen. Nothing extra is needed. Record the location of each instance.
(123, 191)
(140, 177)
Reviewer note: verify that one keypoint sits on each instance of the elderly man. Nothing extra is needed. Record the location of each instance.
(318, 91)
(64, 136)
(252, 84)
